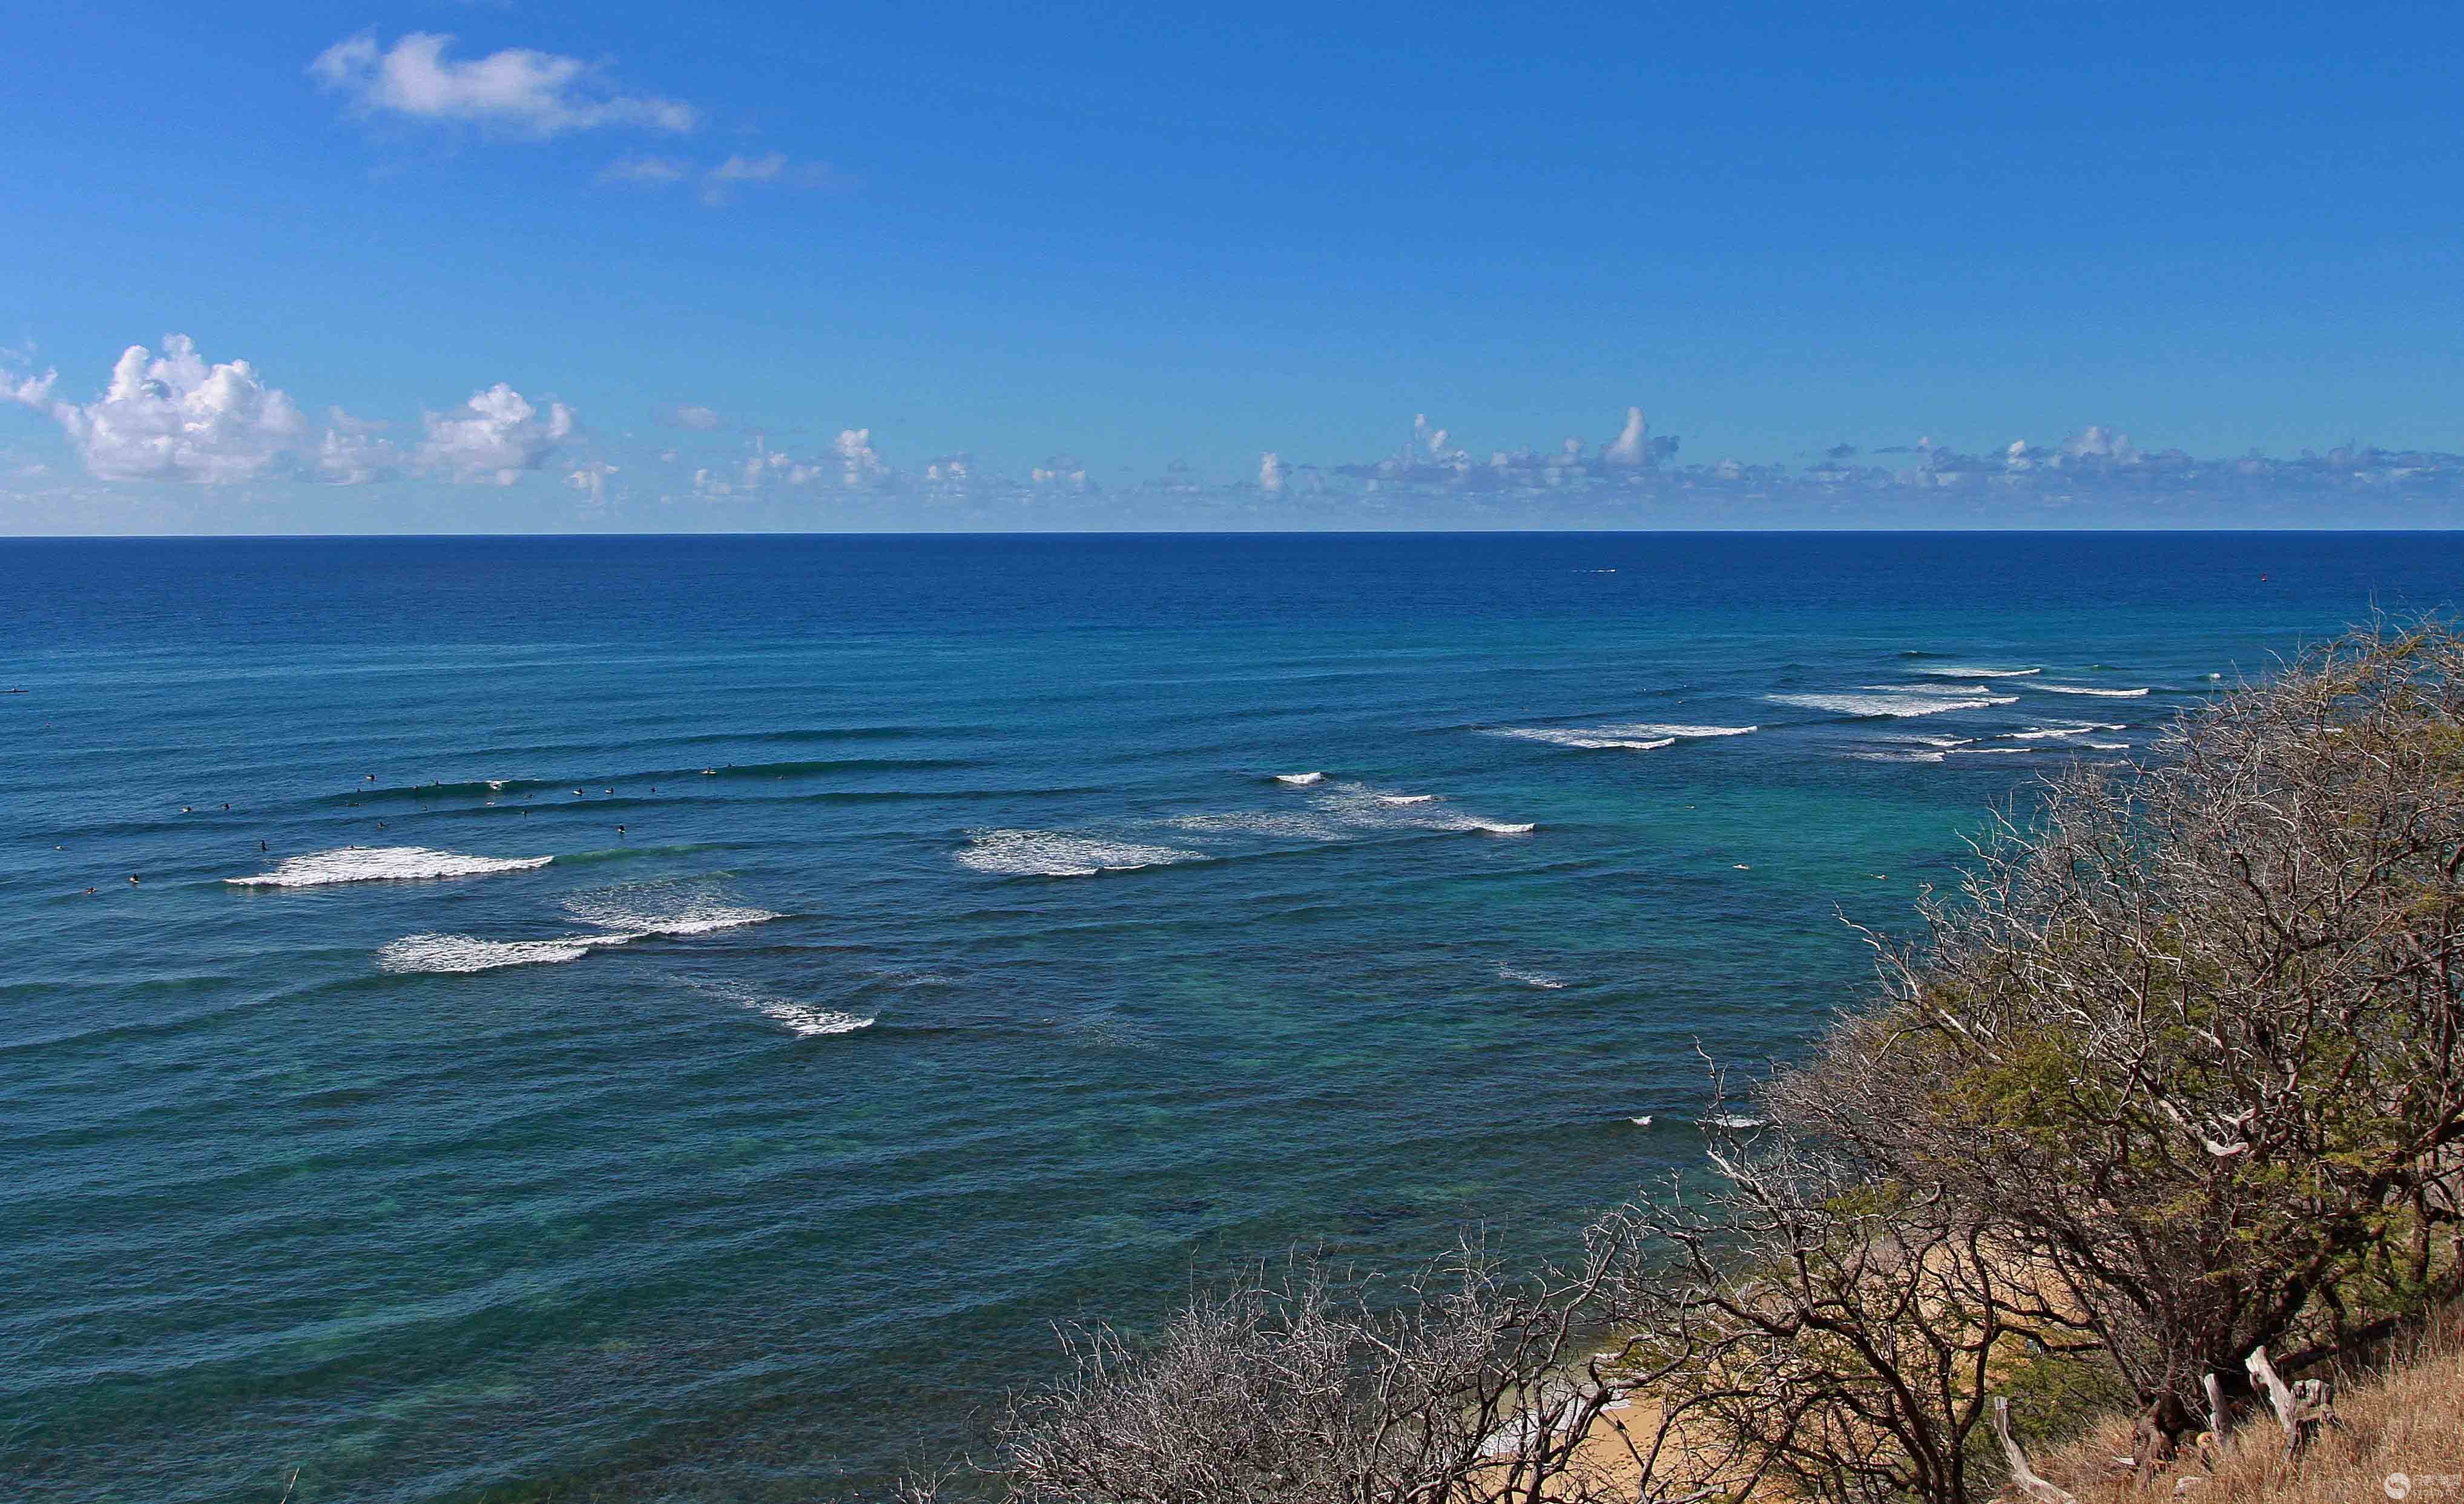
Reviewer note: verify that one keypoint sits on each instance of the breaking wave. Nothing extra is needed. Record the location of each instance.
(1629, 736)
(1963, 671)
(2080, 689)
(620, 916)
(1300, 780)
(1901, 703)
(1539, 979)
(469, 953)
(1595, 740)
(635, 914)
(1346, 812)
(1057, 854)
(381, 865)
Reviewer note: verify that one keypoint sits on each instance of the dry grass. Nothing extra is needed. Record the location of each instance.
(2405, 1417)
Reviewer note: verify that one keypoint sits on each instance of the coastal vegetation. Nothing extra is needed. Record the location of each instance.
(2155, 1132)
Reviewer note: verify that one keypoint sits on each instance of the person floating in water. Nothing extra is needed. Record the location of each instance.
(132, 880)
(620, 830)
(262, 846)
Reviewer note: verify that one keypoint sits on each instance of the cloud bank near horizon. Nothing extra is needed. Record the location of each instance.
(178, 420)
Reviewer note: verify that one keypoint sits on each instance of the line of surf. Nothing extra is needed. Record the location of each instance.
(381, 865)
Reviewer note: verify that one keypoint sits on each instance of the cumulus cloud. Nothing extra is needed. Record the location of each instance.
(517, 90)
(1629, 448)
(1270, 473)
(173, 417)
(353, 452)
(493, 437)
(590, 478)
(860, 466)
(1065, 471)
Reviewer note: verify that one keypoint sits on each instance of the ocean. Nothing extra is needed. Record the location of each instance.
(681, 1018)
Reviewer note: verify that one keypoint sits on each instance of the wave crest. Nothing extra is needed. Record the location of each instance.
(381, 865)
(1057, 854)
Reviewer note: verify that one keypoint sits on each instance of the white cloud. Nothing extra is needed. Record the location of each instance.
(529, 93)
(860, 465)
(701, 420)
(174, 418)
(1630, 446)
(351, 453)
(591, 480)
(655, 172)
(2098, 442)
(493, 437)
(719, 184)
(1270, 473)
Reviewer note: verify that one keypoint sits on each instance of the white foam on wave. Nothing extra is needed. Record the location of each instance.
(637, 914)
(1938, 742)
(1990, 751)
(621, 915)
(381, 865)
(1300, 780)
(1599, 739)
(1927, 688)
(1892, 705)
(2080, 689)
(1735, 1121)
(813, 1022)
(1346, 812)
(1897, 756)
(1622, 736)
(2108, 745)
(1057, 854)
(1965, 671)
(1539, 979)
(469, 953)
(2042, 733)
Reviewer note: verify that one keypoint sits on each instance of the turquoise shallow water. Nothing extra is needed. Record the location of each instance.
(962, 964)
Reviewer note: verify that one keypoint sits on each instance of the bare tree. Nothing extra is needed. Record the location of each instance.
(2189, 1039)
(1814, 1328)
(1456, 1384)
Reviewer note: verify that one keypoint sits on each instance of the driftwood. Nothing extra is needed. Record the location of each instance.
(2025, 1477)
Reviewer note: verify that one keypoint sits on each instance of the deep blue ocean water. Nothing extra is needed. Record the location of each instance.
(962, 964)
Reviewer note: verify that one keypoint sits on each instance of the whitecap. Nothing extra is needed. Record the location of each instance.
(381, 865)
(812, 1022)
(1300, 780)
(637, 913)
(1600, 739)
(1735, 1121)
(1927, 688)
(1539, 979)
(1897, 756)
(1963, 671)
(1990, 751)
(2048, 732)
(469, 953)
(1891, 705)
(1057, 854)
(1344, 812)
(2108, 745)
(2080, 689)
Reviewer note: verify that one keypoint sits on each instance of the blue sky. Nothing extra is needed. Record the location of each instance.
(927, 266)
